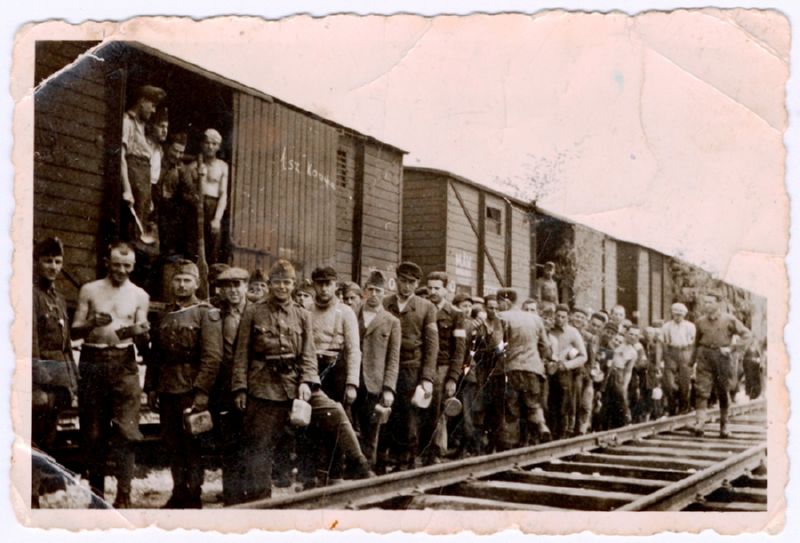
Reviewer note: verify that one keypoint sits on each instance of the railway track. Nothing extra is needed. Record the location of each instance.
(653, 466)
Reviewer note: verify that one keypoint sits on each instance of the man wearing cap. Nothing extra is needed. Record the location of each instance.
(183, 366)
(137, 151)
(304, 294)
(449, 364)
(584, 385)
(469, 429)
(209, 177)
(274, 364)
(258, 288)
(488, 369)
(571, 357)
(380, 336)
(55, 378)
(214, 290)
(352, 296)
(232, 295)
(679, 337)
(546, 286)
(172, 200)
(713, 358)
(111, 317)
(338, 348)
(524, 372)
(419, 348)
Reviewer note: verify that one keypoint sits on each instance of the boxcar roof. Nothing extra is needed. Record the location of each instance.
(241, 87)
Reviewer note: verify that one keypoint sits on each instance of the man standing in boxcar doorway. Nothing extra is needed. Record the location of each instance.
(209, 175)
(546, 285)
(135, 167)
(112, 317)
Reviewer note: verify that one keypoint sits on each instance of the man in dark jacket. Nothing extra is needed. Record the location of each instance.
(186, 355)
(419, 348)
(449, 366)
(275, 363)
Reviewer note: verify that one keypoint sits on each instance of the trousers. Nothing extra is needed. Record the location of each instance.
(185, 460)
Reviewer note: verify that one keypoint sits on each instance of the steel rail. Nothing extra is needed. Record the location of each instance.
(679, 494)
(365, 492)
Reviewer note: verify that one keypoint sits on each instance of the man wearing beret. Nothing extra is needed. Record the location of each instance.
(528, 344)
(380, 333)
(714, 351)
(232, 286)
(419, 348)
(111, 317)
(275, 363)
(679, 336)
(338, 350)
(183, 367)
(55, 377)
(449, 364)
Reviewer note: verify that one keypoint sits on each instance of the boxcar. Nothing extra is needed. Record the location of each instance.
(302, 187)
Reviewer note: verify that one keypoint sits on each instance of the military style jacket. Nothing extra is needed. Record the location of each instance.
(187, 350)
(274, 351)
(51, 348)
(419, 345)
(452, 339)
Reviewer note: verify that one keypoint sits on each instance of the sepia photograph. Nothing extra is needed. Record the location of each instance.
(512, 264)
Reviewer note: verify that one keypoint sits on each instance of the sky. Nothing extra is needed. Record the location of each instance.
(665, 129)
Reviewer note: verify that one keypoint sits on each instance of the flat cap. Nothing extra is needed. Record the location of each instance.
(234, 274)
(187, 267)
(562, 307)
(600, 316)
(461, 297)
(679, 308)
(478, 300)
(376, 279)
(350, 286)
(550, 265)
(281, 269)
(151, 93)
(324, 273)
(48, 247)
(306, 286)
(657, 323)
(215, 269)
(581, 310)
(508, 294)
(259, 277)
(409, 270)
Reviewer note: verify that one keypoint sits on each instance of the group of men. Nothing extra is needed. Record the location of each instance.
(172, 208)
(390, 382)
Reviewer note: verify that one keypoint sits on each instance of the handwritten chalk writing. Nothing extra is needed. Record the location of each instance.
(304, 166)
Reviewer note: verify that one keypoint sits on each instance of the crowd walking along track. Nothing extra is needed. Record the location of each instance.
(652, 466)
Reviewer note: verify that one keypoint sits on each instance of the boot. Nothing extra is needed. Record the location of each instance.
(123, 499)
(541, 425)
(700, 420)
(723, 423)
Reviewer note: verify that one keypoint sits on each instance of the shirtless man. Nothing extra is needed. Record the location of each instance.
(210, 174)
(111, 317)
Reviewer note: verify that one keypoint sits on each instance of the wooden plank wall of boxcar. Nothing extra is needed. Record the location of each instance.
(495, 246)
(381, 217)
(345, 203)
(424, 220)
(609, 273)
(643, 286)
(284, 186)
(69, 124)
(462, 242)
(521, 251)
(589, 272)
